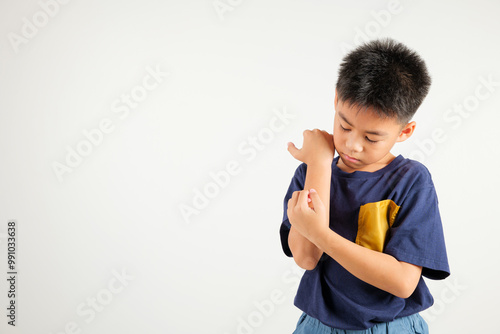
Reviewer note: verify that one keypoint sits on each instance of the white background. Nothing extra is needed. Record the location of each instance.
(221, 270)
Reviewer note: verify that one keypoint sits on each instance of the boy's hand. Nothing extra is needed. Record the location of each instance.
(308, 221)
(318, 147)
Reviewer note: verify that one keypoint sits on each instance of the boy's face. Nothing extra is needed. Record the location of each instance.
(363, 139)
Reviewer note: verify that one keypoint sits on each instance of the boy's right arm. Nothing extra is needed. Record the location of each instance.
(317, 152)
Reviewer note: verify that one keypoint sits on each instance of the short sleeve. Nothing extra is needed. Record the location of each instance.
(296, 184)
(417, 234)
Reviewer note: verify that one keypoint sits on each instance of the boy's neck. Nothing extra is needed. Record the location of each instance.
(368, 168)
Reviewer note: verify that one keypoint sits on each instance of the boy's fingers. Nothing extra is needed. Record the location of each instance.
(294, 151)
(292, 202)
(303, 199)
(316, 201)
(328, 137)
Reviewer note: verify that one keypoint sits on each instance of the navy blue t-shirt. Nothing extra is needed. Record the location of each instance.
(393, 210)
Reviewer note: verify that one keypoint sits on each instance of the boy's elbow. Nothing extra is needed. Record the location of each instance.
(408, 281)
(403, 294)
(306, 262)
(405, 290)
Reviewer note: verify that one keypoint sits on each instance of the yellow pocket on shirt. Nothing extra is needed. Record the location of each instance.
(374, 221)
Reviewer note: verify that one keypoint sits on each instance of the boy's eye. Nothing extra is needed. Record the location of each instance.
(367, 139)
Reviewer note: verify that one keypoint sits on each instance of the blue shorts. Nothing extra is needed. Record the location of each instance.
(406, 325)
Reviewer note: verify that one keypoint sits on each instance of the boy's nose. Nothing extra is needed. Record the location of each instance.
(354, 145)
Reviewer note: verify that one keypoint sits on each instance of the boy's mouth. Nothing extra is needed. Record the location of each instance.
(349, 158)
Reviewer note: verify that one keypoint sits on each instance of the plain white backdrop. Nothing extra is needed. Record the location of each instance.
(117, 119)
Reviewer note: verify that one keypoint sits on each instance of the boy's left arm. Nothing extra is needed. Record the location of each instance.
(378, 269)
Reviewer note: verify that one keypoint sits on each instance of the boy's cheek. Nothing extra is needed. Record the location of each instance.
(337, 141)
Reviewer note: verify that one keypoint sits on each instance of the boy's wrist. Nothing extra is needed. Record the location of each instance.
(318, 235)
(325, 239)
(321, 163)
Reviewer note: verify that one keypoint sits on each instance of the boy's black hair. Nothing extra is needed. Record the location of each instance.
(386, 75)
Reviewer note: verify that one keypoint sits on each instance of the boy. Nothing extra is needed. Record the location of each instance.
(365, 225)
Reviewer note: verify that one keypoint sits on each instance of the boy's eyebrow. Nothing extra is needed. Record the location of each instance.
(371, 132)
(343, 117)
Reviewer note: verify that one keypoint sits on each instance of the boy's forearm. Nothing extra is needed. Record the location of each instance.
(378, 269)
(318, 177)
(306, 253)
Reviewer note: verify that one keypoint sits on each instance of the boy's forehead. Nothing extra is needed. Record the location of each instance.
(370, 117)
(353, 108)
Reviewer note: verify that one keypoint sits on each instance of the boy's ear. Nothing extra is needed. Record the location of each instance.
(336, 100)
(407, 131)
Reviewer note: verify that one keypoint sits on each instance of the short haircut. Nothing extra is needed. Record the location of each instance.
(385, 75)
